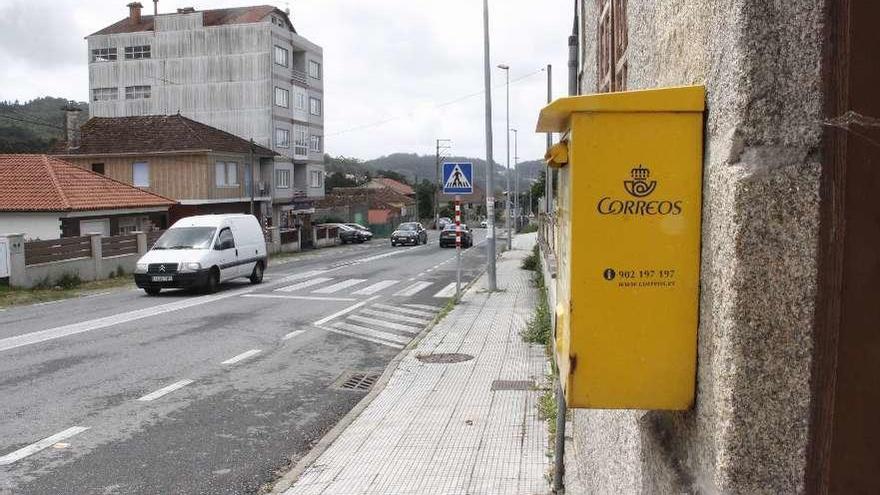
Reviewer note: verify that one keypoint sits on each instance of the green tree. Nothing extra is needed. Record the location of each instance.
(425, 198)
(338, 179)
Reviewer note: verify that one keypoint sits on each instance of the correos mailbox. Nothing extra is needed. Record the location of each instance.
(628, 245)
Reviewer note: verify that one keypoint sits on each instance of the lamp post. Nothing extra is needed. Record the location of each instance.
(507, 214)
(437, 178)
(490, 163)
(515, 179)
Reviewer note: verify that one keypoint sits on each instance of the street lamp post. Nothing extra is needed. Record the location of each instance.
(438, 179)
(515, 179)
(490, 163)
(507, 214)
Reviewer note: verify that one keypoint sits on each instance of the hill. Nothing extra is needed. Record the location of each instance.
(34, 126)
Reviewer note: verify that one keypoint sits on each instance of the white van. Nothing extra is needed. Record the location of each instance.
(203, 251)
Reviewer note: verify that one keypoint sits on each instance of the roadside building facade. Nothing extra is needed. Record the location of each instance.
(787, 395)
(244, 70)
(204, 169)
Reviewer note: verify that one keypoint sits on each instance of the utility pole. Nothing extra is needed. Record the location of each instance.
(548, 178)
(490, 162)
(438, 179)
(515, 179)
(507, 212)
(251, 159)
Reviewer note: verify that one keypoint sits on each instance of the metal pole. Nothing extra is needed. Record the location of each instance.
(507, 212)
(547, 178)
(457, 247)
(516, 180)
(251, 159)
(559, 464)
(437, 191)
(490, 162)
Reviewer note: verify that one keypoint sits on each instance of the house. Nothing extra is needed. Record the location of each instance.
(204, 169)
(44, 197)
(394, 185)
(381, 208)
(243, 70)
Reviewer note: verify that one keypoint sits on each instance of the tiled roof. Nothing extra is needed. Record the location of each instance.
(153, 133)
(397, 186)
(379, 198)
(46, 183)
(214, 17)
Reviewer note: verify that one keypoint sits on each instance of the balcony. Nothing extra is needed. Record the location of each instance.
(299, 78)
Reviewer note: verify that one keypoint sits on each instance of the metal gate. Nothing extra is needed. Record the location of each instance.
(4, 257)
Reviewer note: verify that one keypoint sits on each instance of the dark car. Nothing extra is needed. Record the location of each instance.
(365, 232)
(447, 236)
(348, 234)
(409, 233)
(442, 222)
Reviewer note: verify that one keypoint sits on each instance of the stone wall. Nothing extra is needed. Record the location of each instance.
(747, 433)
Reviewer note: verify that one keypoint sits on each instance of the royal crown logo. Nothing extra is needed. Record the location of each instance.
(639, 186)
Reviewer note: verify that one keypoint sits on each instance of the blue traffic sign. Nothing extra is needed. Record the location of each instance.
(458, 178)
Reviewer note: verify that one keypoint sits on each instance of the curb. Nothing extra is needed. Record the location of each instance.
(289, 478)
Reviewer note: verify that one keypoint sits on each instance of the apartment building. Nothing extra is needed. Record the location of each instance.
(243, 70)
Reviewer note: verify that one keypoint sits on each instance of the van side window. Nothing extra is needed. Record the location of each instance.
(225, 239)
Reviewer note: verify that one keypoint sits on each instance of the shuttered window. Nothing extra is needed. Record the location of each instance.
(611, 46)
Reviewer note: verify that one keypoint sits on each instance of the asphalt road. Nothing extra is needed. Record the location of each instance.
(182, 393)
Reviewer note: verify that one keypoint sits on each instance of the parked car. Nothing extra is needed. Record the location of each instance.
(409, 233)
(442, 222)
(447, 237)
(365, 232)
(484, 223)
(349, 234)
(203, 251)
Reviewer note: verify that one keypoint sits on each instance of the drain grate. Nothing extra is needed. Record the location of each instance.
(444, 357)
(513, 385)
(356, 381)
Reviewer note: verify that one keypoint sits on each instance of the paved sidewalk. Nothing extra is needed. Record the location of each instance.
(440, 428)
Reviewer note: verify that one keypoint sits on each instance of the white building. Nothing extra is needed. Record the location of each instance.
(243, 70)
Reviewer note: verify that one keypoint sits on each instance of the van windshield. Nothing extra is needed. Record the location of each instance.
(186, 238)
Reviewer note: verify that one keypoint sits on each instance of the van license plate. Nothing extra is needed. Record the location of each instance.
(163, 278)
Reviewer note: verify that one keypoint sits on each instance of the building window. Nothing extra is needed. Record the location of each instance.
(282, 97)
(140, 174)
(300, 143)
(281, 56)
(137, 92)
(316, 178)
(104, 54)
(611, 54)
(299, 99)
(282, 179)
(105, 94)
(314, 106)
(226, 174)
(98, 168)
(314, 69)
(315, 144)
(135, 52)
(282, 138)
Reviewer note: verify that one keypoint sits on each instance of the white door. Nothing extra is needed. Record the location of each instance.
(100, 226)
(227, 254)
(4, 257)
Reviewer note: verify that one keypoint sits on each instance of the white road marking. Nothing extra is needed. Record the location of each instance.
(303, 285)
(409, 310)
(293, 334)
(342, 312)
(363, 337)
(302, 275)
(372, 289)
(447, 291)
(426, 307)
(396, 317)
(302, 298)
(369, 332)
(414, 289)
(384, 324)
(42, 444)
(339, 286)
(242, 356)
(165, 390)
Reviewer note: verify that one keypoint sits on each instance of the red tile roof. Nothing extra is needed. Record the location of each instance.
(396, 186)
(213, 17)
(377, 198)
(46, 183)
(154, 133)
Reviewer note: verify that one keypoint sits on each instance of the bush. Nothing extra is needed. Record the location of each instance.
(120, 272)
(69, 281)
(532, 261)
(529, 228)
(538, 330)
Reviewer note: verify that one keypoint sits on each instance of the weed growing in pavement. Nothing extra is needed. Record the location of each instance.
(547, 411)
(528, 229)
(446, 309)
(532, 261)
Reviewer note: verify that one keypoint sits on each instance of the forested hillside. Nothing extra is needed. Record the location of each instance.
(34, 126)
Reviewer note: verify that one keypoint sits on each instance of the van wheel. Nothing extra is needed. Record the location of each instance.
(257, 274)
(213, 282)
(152, 291)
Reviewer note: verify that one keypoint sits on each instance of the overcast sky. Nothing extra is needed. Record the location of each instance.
(396, 71)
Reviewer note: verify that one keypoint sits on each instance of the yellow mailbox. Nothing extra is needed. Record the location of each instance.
(628, 245)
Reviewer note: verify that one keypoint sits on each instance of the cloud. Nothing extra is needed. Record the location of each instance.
(385, 60)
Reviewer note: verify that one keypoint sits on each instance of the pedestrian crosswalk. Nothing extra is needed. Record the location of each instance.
(389, 325)
(364, 287)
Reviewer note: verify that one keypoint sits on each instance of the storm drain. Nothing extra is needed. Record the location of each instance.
(513, 385)
(444, 357)
(356, 381)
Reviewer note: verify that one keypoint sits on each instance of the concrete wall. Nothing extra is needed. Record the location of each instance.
(34, 226)
(748, 431)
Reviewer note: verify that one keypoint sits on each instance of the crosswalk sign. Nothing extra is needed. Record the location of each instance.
(458, 178)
